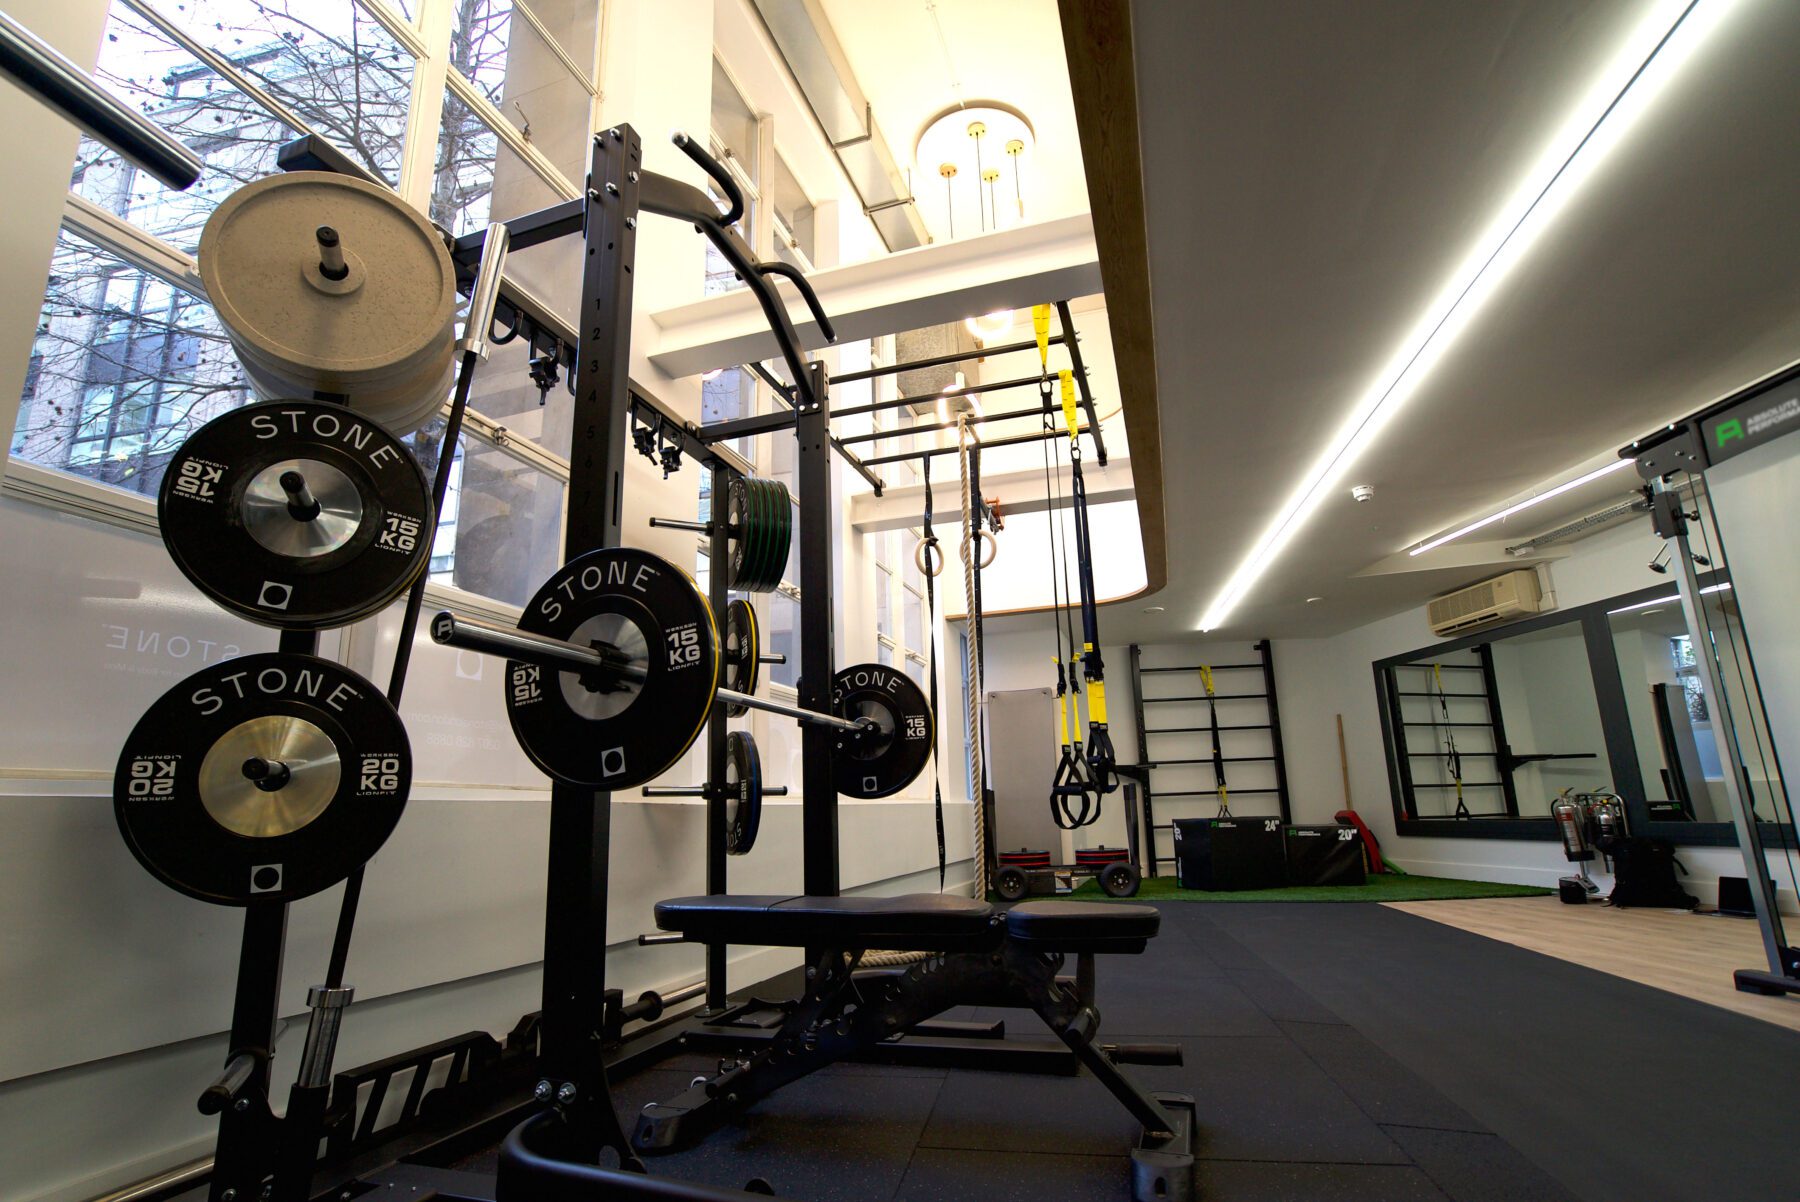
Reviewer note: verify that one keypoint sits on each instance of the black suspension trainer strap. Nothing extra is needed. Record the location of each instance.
(1218, 752)
(1452, 757)
(928, 550)
(1100, 754)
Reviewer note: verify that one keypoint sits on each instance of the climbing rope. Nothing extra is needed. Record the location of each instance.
(971, 558)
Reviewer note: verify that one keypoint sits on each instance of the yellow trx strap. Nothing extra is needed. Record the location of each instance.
(1040, 324)
(1068, 402)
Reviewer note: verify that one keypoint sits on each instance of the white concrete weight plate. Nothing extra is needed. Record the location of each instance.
(381, 335)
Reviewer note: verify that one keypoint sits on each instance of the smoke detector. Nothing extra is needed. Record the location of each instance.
(1363, 492)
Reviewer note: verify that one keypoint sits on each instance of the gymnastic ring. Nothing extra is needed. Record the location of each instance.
(922, 553)
(993, 548)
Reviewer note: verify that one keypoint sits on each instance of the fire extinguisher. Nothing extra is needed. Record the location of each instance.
(1571, 824)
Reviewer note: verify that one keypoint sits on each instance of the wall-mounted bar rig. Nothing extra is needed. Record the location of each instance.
(1051, 409)
(1211, 747)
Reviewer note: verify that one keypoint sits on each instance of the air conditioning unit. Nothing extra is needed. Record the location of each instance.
(1510, 596)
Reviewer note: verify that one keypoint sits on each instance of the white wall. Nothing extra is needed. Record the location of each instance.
(1319, 679)
(117, 990)
(1341, 680)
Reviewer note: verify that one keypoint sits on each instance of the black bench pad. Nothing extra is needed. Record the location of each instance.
(1071, 926)
(910, 922)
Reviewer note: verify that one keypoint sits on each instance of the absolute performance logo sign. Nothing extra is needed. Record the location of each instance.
(1752, 422)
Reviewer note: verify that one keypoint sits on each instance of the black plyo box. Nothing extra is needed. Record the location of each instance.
(1324, 855)
(1228, 854)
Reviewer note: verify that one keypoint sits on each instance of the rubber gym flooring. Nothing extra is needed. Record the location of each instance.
(1338, 1053)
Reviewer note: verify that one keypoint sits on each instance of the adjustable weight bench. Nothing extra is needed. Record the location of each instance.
(977, 956)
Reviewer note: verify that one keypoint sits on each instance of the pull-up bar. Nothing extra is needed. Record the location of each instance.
(894, 369)
(932, 398)
(974, 419)
(986, 446)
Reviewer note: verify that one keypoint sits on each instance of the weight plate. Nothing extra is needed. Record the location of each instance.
(885, 761)
(737, 518)
(387, 321)
(756, 535)
(620, 732)
(743, 792)
(774, 546)
(743, 652)
(231, 528)
(784, 532)
(266, 777)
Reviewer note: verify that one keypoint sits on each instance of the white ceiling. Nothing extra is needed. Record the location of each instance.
(1005, 50)
(1312, 171)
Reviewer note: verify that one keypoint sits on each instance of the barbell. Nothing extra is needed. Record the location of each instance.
(615, 664)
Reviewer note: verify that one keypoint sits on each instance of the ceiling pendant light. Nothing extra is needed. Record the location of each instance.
(959, 144)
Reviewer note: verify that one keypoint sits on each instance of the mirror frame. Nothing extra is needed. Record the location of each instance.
(1615, 725)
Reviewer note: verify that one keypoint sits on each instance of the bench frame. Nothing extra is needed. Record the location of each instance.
(847, 1014)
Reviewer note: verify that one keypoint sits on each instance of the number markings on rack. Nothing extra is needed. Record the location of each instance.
(263, 778)
(233, 528)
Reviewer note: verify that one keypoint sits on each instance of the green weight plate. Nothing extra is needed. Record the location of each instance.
(758, 557)
(786, 505)
(739, 506)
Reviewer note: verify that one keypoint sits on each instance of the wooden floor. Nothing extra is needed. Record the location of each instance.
(1692, 955)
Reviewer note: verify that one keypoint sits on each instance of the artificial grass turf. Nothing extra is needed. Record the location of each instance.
(1383, 888)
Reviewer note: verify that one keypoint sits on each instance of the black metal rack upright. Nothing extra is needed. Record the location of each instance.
(1276, 758)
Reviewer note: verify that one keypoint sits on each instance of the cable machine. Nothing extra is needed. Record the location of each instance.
(1673, 462)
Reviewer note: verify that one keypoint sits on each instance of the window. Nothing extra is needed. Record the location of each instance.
(733, 123)
(1600, 697)
(793, 218)
(501, 531)
(730, 394)
(736, 137)
(129, 360)
(127, 367)
(1681, 652)
(328, 64)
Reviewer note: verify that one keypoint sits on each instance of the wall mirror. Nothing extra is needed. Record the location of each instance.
(1484, 731)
